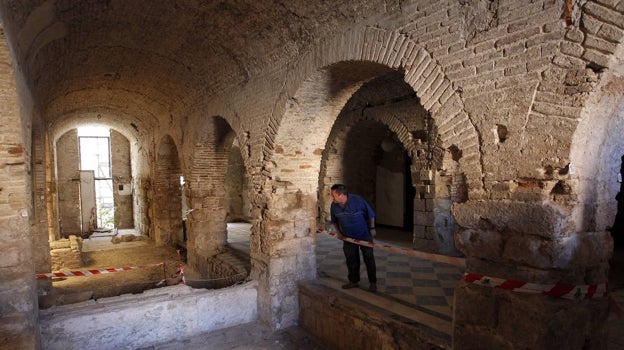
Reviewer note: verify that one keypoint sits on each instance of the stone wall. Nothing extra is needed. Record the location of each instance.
(349, 323)
(122, 176)
(68, 165)
(18, 318)
(239, 206)
(167, 205)
(173, 312)
(506, 83)
(66, 253)
(68, 180)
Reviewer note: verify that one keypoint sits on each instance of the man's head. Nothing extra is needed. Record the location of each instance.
(339, 194)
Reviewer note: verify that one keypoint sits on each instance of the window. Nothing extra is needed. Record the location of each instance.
(94, 143)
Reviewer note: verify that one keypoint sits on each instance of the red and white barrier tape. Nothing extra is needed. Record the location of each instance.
(567, 291)
(451, 260)
(83, 273)
(179, 274)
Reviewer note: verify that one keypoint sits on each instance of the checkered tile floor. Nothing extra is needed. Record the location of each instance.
(414, 281)
(407, 280)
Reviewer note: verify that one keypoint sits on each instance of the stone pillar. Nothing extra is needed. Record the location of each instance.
(206, 229)
(535, 243)
(282, 253)
(19, 328)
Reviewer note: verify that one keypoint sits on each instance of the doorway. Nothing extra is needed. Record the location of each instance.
(94, 145)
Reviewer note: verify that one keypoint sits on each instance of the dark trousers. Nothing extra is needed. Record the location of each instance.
(352, 253)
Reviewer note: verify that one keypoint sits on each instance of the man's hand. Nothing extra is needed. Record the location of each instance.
(371, 227)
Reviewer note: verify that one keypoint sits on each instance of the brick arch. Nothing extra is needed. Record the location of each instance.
(329, 168)
(403, 133)
(391, 50)
(393, 124)
(407, 131)
(299, 126)
(197, 129)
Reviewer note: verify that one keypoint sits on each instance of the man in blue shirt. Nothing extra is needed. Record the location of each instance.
(353, 217)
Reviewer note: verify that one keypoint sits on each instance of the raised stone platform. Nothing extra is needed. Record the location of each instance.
(357, 319)
(66, 253)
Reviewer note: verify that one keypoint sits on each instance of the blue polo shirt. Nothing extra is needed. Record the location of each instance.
(353, 218)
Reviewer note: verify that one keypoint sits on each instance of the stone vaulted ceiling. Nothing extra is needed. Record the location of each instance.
(152, 58)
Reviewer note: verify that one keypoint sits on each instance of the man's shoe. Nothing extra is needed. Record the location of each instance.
(349, 285)
(372, 287)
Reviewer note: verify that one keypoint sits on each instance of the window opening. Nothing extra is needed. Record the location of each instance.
(94, 146)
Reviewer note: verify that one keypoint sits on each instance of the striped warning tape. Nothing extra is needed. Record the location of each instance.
(451, 260)
(92, 272)
(567, 291)
(179, 274)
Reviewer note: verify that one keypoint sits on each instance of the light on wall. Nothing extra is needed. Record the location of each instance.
(388, 144)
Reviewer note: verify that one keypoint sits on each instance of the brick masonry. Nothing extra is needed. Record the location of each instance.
(523, 96)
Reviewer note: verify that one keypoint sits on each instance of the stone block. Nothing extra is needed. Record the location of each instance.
(465, 338)
(575, 34)
(62, 243)
(572, 49)
(535, 218)
(10, 256)
(537, 322)
(529, 251)
(480, 243)
(424, 218)
(117, 321)
(419, 231)
(128, 238)
(420, 204)
(68, 255)
(475, 305)
(326, 313)
(430, 232)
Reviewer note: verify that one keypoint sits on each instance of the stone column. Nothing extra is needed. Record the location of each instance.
(206, 230)
(282, 253)
(533, 242)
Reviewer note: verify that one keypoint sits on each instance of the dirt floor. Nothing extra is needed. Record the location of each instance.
(101, 253)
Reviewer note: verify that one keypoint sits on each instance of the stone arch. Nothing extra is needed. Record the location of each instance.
(298, 129)
(403, 134)
(392, 50)
(102, 118)
(167, 205)
(134, 133)
(421, 199)
(206, 192)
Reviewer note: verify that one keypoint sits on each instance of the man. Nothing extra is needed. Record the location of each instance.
(353, 217)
